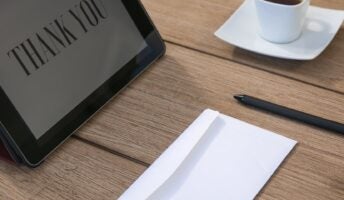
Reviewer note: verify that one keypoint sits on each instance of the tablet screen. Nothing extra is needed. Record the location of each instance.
(54, 55)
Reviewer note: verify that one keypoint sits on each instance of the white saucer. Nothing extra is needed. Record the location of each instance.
(320, 28)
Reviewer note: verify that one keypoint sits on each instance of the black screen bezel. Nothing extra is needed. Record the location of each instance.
(34, 151)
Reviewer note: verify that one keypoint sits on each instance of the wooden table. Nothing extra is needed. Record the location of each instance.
(199, 71)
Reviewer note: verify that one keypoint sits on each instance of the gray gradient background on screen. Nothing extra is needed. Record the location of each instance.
(48, 94)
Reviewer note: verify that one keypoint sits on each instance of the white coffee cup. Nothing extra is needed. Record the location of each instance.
(281, 23)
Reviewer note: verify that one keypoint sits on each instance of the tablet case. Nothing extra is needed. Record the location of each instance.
(7, 153)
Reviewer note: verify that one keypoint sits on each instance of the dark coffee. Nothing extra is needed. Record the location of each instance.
(286, 2)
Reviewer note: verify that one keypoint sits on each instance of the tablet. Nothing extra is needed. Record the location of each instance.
(61, 61)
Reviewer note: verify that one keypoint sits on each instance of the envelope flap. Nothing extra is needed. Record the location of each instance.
(163, 168)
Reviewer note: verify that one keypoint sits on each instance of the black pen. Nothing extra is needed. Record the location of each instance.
(291, 113)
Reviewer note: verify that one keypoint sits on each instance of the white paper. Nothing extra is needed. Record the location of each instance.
(217, 157)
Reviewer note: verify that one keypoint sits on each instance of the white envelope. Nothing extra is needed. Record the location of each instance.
(217, 157)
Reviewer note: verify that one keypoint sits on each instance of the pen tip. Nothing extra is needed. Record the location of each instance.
(239, 97)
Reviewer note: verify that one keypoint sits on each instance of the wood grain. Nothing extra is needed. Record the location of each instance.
(144, 120)
(192, 23)
(199, 72)
(76, 171)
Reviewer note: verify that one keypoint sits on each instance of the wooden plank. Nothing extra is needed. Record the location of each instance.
(144, 120)
(192, 23)
(76, 171)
